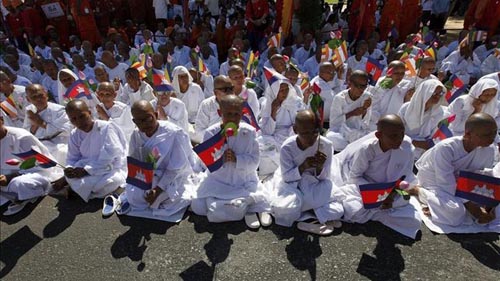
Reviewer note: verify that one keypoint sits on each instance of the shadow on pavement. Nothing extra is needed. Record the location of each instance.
(16, 246)
(68, 210)
(304, 248)
(386, 263)
(21, 215)
(217, 249)
(133, 243)
(482, 246)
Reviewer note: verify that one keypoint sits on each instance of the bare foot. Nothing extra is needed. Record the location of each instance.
(426, 211)
(59, 184)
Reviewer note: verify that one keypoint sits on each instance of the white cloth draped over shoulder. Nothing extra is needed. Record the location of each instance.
(462, 106)
(194, 95)
(102, 153)
(438, 170)
(32, 182)
(364, 162)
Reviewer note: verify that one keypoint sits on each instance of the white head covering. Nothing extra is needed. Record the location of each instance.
(490, 108)
(290, 101)
(60, 87)
(178, 70)
(414, 115)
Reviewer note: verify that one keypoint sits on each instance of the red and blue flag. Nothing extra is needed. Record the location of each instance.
(272, 76)
(480, 189)
(374, 194)
(42, 160)
(140, 174)
(210, 151)
(248, 116)
(457, 88)
(443, 132)
(374, 68)
(78, 90)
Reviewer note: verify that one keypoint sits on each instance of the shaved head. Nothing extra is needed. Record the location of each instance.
(106, 86)
(142, 106)
(222, 81)
(77, 105)
(305, 118)
(389, 121)
(231, 101)
(478, 121)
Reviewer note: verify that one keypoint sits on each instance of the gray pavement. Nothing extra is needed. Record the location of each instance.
(69, 240)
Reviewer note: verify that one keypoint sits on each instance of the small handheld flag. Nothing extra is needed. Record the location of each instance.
(374, 68)
(143, 73)
(249, 117)
(374, 194)
(274, 41)
(317, 105)
(210, 151)
(442, 131)
(271, 76)
(480, 189)
(35, 158)
(140, 174)
(78, 90)
(456, 87)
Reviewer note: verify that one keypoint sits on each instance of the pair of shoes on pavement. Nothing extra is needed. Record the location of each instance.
(16, 207)
(319, 228)
(253, 222)
(112, 203)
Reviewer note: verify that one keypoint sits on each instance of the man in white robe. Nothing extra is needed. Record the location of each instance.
(16, 185)
(390, 92)
(382, 157)
(135, 89)
(15, 114)
(170, 108)
(167, 146)
(209, 112)
(302, 184)
(491, 63)
(48, 122)
(230, 193)
(463, 63)
(109, 109)
(96, 162)
(439, 167)
(424, 72)
(350, 112)
(237, 76)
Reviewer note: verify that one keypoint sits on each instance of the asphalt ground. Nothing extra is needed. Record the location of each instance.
(59, 239)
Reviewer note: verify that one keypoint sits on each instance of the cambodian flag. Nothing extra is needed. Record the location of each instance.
(442, 130)
(210, 151)
(481, 189)
(158, 77)
(374, 68)
(42, 160)
(140, 174)
(248, 116)
(78, 90)
(272, 76)
(374, 194)
(457, 88)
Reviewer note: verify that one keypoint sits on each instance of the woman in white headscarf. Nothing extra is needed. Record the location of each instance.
(187, 91)
(482, 97)
(422, 114)
(65, 78)
(279, 109)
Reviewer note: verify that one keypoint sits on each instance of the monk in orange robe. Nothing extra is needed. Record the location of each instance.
(362, 19)
(390, 17)
(483, 15)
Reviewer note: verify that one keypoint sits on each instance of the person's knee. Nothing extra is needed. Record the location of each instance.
(199, 207)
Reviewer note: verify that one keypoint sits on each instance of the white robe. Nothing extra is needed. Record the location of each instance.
(176, 112)
(32, 183)
(438, 171)
(343, 131)
(192, 98)
(208, 115)
(129, 96)
(121, 115)
(55, 136)
(230, 192)
(463, 68)
(293, 193)
(364, 162)
(20, 101)
(388, 101)
(102, 153)
(490, 64)
(170, 148)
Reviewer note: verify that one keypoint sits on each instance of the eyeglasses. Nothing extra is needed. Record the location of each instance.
(226, 90)
(162, 93)
(360, 86)
(143, 121)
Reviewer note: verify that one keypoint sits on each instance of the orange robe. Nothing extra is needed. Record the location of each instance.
(389, 17)
(362, 19)
(83, 16)
(483, 15)
(409, 18)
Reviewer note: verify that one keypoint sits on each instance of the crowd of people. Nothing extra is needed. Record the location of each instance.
(232, 111)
